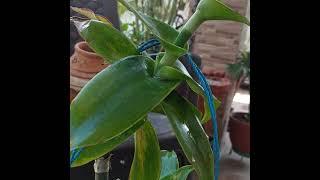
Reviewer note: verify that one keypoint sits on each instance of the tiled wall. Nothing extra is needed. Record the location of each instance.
(217, 42)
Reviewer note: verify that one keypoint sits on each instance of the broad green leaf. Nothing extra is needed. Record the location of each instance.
(115, 100)
(90, 14)
(181, 73)
(169, 163)
(216, 10)
(181, 174)
(106, 40)
(91, 153)
(146, 163)
(190, 135)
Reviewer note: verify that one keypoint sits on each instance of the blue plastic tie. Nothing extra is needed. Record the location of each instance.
(208, 93)
(74, 155)
(148, 44)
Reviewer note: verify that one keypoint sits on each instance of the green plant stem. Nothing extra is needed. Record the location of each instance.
(173, 13)
(186, 32)
(101, 168)
(188, 29)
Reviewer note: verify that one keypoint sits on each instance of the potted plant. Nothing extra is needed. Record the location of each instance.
(114, 104)
(239, 123)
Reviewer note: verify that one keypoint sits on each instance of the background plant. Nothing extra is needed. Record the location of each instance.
(115, 103)
(240, 71)
(162, 10)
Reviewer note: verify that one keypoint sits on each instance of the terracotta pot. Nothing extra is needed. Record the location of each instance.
(84, 65)
(220, 85)
(73, 94)
(239, 132)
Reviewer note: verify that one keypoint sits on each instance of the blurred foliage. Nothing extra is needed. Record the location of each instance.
(163, 10)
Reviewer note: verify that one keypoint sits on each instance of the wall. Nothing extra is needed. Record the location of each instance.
(217, 42)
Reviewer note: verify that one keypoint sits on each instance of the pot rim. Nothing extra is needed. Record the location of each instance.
(79, 47)
(232, 117)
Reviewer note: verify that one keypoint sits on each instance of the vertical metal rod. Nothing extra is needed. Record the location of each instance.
(101, 168)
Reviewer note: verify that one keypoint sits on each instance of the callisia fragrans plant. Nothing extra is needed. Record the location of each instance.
(114, 105)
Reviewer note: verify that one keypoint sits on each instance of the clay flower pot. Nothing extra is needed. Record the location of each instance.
(84, 65)
(220, 85)
(239, 131)
(73, 94)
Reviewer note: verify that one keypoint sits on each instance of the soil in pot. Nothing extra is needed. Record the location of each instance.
(239, 131)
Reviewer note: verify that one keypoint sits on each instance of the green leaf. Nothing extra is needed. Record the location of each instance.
(169, 163)
(216, 10)
(115, 100)
(179, 72)
(124, 27)
(106, 40)
(160, 29)
(90, 14)
(91, 153)
(190, 135)
(181, 174)
(165, 33)
(146, 164)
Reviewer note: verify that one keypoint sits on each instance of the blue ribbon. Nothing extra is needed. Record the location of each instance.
(148, 44)
(208, 93)
(74, 155)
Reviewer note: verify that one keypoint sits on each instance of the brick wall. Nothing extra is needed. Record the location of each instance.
(217, 42)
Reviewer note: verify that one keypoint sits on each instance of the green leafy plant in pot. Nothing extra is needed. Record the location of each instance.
(114, 104)
(239, 124)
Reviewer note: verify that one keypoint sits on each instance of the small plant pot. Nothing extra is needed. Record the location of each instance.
(239, 131)
(73, 94)
(84, 65)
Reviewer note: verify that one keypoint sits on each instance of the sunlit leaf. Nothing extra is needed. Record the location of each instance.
(90, 14)
(146, 163)
(216, 10)
(115, 100)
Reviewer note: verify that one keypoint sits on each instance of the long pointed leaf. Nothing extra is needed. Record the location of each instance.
(216, 10)
(116, 99)
(90, 14)
(190, 135)
(105, 40)
(181, 73)
(146, 164)
(91, 153)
